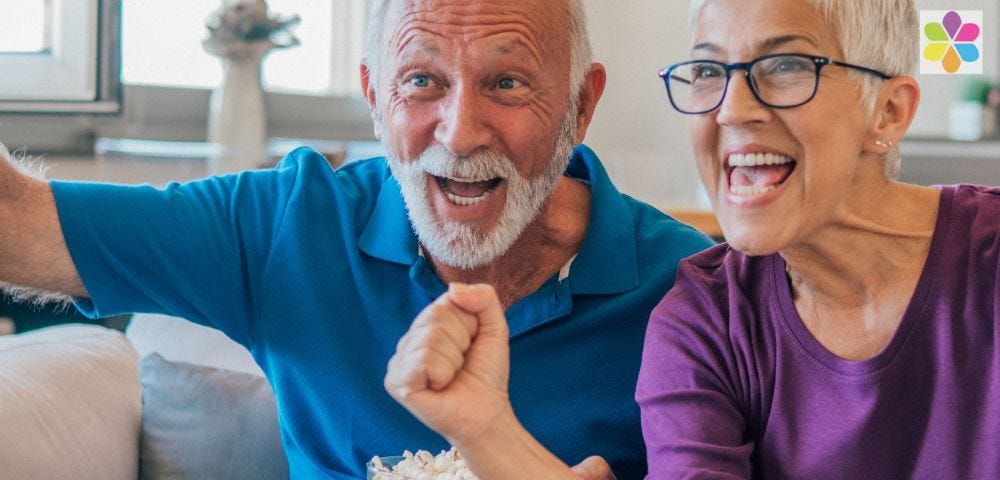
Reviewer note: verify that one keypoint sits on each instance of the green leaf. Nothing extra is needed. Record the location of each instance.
(935, 32)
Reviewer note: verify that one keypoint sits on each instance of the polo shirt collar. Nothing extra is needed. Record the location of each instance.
(607, 261)
(605, 264)
(388, 235)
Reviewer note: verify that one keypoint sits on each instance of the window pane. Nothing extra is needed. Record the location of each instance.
(162, 46)
(23, 26)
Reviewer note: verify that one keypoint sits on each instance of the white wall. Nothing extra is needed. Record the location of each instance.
(641, 139)
(644, 143)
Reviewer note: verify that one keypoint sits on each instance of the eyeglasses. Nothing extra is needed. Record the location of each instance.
(778, 81)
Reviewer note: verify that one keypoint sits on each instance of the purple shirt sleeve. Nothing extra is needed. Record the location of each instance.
(693, 420)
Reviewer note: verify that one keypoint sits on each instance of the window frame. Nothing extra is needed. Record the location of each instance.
(71, 75)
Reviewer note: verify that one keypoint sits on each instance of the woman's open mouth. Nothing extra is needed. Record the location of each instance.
(467, 192)
(757, 173)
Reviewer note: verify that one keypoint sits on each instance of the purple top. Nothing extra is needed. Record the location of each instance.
(733, 385)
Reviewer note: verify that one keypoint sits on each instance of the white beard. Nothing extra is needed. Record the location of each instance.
(464, 245)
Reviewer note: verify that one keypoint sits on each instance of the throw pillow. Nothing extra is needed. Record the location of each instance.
(69, 404)
(205, 422)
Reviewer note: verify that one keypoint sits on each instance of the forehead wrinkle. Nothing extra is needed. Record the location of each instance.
(414, 35)
(469, 22)
(784, 25)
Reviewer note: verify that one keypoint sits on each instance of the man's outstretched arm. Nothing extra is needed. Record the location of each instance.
(33, 253)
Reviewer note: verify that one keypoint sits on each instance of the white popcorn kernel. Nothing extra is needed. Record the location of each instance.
(424, 465)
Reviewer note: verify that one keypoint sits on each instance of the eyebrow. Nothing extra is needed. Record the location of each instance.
(772, 43)
(706, 46)
(766, 45)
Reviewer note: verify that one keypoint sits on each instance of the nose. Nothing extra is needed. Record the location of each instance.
(463, 126)
(740, 105)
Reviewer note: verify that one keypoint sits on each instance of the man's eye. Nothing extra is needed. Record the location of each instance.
(420, 81)
(507, 84)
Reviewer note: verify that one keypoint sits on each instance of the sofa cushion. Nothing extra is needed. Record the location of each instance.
(206, 422)
(180, 340)
(69, 404)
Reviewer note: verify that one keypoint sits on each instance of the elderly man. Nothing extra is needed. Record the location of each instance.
(319, 273)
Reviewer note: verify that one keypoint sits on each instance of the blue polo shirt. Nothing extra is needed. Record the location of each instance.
(317, 273)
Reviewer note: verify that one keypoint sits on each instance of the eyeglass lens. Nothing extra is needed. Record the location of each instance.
(781, 81)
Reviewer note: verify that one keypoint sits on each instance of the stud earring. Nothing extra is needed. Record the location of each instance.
(884, 144)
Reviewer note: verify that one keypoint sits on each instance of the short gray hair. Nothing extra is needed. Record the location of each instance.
(875, 34)
(581, 54)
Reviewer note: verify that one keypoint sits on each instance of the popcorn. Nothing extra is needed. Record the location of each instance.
(424, 466)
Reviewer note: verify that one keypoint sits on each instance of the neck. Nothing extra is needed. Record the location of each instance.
(853, 279)
(543, 248)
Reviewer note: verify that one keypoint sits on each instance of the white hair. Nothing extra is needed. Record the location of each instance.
(580, 51)
(877, 34)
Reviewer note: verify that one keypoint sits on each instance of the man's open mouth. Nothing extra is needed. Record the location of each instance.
(757, 173)
(467, 192)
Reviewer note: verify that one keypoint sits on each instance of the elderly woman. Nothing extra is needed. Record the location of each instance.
(849, 328)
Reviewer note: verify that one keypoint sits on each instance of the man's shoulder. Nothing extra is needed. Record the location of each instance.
(657, 230)
(358, 179)
(307, 159)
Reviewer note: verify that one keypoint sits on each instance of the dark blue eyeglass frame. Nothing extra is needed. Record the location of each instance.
(819, 62)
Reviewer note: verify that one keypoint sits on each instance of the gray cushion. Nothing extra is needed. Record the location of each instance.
(204, 422)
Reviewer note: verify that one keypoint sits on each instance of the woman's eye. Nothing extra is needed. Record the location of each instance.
(707, 71)
(792, 65)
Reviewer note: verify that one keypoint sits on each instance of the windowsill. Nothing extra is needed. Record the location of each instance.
(156, 162)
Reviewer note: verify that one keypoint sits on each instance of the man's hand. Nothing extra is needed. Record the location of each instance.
(451, 368)
(594, 468)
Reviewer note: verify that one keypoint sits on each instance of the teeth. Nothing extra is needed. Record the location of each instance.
(467, 201)
(466, 180)
(757, 159)
(750, 189)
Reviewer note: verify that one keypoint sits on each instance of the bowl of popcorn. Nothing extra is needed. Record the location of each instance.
(422, 465)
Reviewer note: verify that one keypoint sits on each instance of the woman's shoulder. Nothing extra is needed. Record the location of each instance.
(725, 266)
(967, 200)
(970, 214)
(711, 280)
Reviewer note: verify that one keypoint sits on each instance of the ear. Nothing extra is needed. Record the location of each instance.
(368, 90)
(590, 94)
(895, 108)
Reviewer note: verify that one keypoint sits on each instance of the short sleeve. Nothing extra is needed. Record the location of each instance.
(194, 250)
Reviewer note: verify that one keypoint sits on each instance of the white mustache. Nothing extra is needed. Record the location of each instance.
(482, 165)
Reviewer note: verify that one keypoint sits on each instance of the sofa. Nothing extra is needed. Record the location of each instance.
(166, 399)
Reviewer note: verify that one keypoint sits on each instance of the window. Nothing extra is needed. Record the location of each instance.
(23, 26)
(162, 46)
(54, 57)
(313, 90)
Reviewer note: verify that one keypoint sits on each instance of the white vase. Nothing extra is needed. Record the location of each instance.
(237, 124)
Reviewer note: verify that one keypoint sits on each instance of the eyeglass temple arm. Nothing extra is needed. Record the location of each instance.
(877, 73)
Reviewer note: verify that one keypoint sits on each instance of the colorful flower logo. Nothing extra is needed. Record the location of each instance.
(951, 42)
